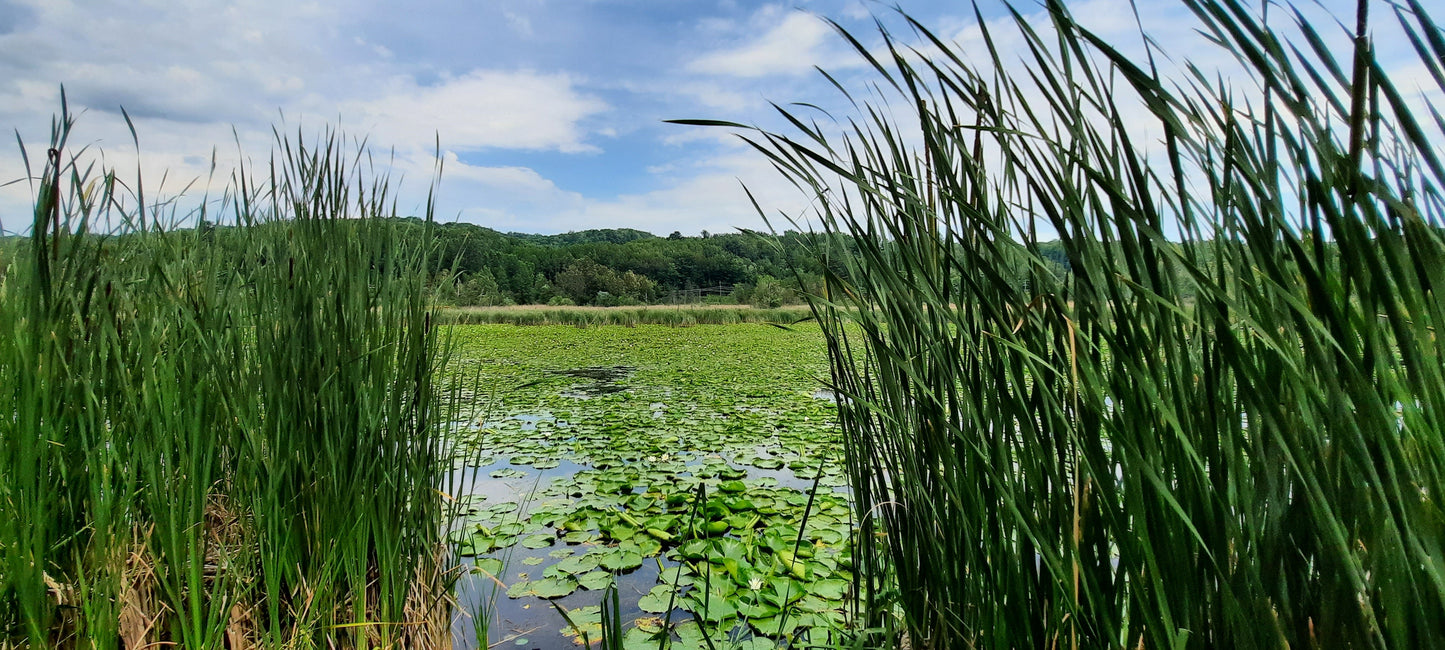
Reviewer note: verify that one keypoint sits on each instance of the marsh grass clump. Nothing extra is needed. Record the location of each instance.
(221, 436)
(1221, 427)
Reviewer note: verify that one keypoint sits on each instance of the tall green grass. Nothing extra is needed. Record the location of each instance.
(222, 441)
(1222, 428)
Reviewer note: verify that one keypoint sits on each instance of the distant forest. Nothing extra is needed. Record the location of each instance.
(626, 267)
(608, 267)
(478, 266)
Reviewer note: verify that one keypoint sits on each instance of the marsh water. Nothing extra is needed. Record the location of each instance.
(641, 467)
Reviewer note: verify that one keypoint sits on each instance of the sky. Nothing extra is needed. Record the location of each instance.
(550, 114)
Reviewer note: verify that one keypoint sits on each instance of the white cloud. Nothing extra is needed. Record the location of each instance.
(856, 11)
(717, 96)
(482, 109)
(692, 195)
(502, 197)
(516, 179)
(713, 200)
(790, 46)
(190, 73)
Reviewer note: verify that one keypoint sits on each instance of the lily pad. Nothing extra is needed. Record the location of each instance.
(509, 529)
(595, 580)
(655, 601)
(712, 610)
(477, 545)
(584, 622)
(696, 549)
(577, 564)
(579, 537)
(829, 589)
(727, 547)
(552, 587)
(639, 639)
(775, 626)
(620, 560)
(813, 604)
(646, 546)
(780, 590)
(489, 566)
(692, 635)
(756, 609)
(678, 575)
(731, 486)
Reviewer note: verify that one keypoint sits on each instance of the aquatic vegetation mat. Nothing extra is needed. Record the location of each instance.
(695, 469)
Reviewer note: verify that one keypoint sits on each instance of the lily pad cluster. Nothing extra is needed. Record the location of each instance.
(717, 470)
(738, 551)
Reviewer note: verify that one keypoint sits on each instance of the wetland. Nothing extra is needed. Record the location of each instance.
(695, 470)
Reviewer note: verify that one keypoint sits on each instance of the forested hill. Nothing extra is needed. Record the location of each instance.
(480, 266)
(602, 235)
(617, 266)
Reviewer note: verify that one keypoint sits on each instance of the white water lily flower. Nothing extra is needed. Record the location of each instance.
(755, 583)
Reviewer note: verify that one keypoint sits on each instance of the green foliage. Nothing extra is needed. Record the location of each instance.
(10, 249)
(187, 416)
(1229, 440)
(600, 235)
(586, 282)
(769, 293)
(477, 289)
(697, 452)
(628, 264)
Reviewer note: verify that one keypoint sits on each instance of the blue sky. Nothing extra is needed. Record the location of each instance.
(549, 112)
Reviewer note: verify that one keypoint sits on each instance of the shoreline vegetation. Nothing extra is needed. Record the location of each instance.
(185, 421)
(1159, 449)
(581, 316)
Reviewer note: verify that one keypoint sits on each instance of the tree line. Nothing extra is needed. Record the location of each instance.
(480, 266)
(474, 265)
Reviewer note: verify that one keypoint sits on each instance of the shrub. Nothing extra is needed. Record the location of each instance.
(769, 293)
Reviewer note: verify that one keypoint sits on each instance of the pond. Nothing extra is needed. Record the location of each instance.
(696, 469)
